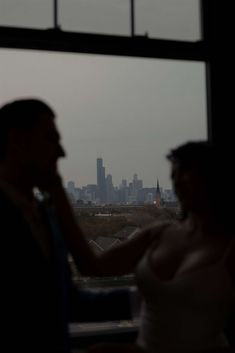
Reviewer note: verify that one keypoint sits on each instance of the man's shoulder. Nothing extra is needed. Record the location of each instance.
(11, 220)
(4, 199)
(16, 237)
(7, 207)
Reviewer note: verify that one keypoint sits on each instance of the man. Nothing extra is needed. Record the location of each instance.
(38, 296)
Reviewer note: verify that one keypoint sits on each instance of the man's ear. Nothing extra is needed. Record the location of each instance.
(17, 143)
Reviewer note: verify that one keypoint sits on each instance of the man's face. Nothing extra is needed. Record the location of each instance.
(41, 150)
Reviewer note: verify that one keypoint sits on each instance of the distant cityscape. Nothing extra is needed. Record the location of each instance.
(127, 193)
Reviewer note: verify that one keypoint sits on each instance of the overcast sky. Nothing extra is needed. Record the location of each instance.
(174, 19)
(128, 111)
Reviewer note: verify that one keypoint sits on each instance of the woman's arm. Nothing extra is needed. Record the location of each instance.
(118, 260)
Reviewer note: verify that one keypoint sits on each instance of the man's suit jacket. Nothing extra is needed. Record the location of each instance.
(30, 305)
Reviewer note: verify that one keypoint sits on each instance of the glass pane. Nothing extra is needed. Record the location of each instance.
(26, 13)
(97, 16)
(126, 111)
(118, 119)
(168, 19)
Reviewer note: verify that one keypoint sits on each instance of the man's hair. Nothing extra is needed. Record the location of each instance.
(20, 114)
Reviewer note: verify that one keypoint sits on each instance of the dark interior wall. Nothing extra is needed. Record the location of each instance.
(218, 35)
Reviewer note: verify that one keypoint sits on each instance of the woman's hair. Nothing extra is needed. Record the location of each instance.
(213, 165)
(193, 153)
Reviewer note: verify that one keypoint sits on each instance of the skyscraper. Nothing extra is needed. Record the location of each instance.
(109, 189)
(136, 186)
(71, 191)
(101, 183)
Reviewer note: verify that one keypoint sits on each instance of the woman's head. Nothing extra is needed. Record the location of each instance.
(191, 171)
(200, 171)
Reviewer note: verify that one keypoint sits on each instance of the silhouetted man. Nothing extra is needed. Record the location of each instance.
(38, 296)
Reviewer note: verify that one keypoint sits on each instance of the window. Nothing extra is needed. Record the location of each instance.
(118, 118)
(127, 111)
(193, 73)
(124, 113)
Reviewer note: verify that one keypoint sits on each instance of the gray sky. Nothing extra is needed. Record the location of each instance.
(128, 111)
(174, 19)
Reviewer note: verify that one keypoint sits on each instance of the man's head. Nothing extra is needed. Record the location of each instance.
(29, 140)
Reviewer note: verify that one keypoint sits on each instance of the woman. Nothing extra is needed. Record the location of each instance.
(185, 271)
(187, 275)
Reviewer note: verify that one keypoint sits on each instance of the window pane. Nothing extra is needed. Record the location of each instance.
(118, 117)
(168, 19)
(26, 13)
(126, 111)
(97, 16)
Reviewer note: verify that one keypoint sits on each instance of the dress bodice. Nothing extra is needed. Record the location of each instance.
(188, 312)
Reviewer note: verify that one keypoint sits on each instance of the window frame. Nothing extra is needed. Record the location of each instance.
(213, 49)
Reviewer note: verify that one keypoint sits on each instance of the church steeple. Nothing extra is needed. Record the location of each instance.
(158, 187)
(158, 200)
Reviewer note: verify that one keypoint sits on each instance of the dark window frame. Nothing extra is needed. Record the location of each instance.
(212, 50)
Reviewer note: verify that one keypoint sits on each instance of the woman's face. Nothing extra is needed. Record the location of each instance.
(188, 186)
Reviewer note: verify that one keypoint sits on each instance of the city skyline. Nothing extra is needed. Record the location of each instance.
(105, 175)
(104, 192)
